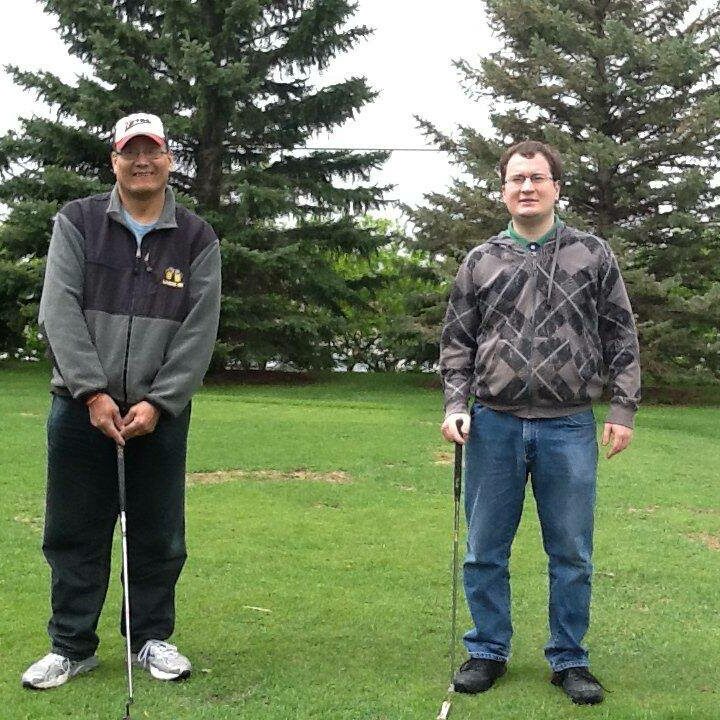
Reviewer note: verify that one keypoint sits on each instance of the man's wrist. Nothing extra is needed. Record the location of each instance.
(90, 399)
(155, 406)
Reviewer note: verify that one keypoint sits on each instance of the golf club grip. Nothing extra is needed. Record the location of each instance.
(121, 475)
(457, 475)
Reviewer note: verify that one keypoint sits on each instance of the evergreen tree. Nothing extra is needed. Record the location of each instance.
(381, 331)
(629, 91)
(231, 80)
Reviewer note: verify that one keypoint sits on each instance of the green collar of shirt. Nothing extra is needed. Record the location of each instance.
(558, 224)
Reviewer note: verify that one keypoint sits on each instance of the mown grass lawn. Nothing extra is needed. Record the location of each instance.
(325, 593)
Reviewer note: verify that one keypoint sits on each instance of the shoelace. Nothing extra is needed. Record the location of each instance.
(53, 660)
(469, 663)
(158, 649)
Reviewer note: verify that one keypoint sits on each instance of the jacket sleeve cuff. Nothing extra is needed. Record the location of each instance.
(86, 394)
(620, 414)
(456, 407)
(156, 405)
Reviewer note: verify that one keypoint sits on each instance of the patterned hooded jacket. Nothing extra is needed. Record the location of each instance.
(538, 331)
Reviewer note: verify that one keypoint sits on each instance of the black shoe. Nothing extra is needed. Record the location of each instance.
(580, 685)
(477, 675)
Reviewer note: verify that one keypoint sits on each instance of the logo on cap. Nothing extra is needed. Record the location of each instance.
(136, 121)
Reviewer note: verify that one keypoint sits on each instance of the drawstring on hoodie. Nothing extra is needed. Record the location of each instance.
(554, 261)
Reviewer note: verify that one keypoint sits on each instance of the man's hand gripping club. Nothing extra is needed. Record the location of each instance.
(140, 419)
(449, 428)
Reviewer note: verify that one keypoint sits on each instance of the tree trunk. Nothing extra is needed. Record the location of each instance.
(208, 157)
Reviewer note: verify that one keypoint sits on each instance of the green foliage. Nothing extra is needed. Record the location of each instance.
(381, 330)
(19, 297)
(630, 94)
(231, 82)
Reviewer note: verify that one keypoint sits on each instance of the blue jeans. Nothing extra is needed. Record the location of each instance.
(560, 455)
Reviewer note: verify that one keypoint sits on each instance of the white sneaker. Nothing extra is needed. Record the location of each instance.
(54, 670)
(163, 661)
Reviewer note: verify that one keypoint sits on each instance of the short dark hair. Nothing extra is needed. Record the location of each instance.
(528, 149)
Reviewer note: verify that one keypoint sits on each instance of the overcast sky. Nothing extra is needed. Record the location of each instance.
(408, 60)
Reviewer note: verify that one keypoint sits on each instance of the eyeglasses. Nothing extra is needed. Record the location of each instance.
(151, 154)
(517, 181)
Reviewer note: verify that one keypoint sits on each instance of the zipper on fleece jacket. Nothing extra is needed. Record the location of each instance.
(532, 248)
(135, 273)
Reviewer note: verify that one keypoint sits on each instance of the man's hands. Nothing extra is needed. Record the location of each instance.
(449, 427)
(620, 436)
(140, 419)
(105, 416)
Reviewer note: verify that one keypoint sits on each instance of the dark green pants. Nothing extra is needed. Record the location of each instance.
(81, 513)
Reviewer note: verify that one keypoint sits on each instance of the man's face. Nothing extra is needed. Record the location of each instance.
(525, 199)
(142, 168)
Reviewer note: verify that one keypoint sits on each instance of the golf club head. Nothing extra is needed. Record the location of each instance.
(444, 711)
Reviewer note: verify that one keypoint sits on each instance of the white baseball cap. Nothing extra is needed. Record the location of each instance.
(138, 124)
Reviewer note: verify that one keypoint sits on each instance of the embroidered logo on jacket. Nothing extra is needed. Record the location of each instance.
(172, 277)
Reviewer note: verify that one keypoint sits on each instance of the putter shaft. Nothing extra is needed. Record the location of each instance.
(457, 491)
(126, 576)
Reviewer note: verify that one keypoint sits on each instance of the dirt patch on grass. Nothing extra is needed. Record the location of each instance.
(649, 510)
(712, 542)
(326, 506)
(35, 523)
(443, 457)
(705, 511)
(335, 477)
(604, 573)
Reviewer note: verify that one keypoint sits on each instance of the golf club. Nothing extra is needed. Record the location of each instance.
(457, 488)
(126, 577)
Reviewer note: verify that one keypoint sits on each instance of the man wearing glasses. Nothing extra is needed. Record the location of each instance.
(537, 323)
(129, 310)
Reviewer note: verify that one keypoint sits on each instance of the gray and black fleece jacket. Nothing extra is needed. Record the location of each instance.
(538, 331)
(137, 323)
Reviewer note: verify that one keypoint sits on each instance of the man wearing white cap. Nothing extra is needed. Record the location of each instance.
(129, 309)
